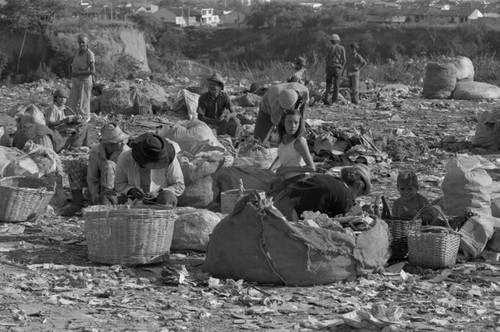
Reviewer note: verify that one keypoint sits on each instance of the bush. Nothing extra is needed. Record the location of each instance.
(487, 68)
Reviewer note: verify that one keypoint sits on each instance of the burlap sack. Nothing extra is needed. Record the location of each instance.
(256, 243)
(465, 68)
(189, 133)
(439, 80)
(476, 91)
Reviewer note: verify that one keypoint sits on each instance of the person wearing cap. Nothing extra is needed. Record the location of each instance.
(60, 117)
(354, 63)
(277, 99)
(325, 193)
(214, 108)
(82, 69)
(300, 74)
(150, 171)
(335, 63)
(98, 172)
(102, 164)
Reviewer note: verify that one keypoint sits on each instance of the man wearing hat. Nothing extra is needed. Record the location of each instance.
(325, 193)
(214, 108)
(335, 63)
(150, 171)
(60, 117)
(102, 164)
(98, 173)
(354, 64)
(277, 99)
(300, 74)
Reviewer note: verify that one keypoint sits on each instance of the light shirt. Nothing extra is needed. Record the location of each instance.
(289, 156)
(82, 63)
(270, 105)
(128, 176)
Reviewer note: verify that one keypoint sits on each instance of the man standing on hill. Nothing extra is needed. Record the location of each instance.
(335, 62)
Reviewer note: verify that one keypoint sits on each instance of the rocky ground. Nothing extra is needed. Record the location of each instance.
(48, 284)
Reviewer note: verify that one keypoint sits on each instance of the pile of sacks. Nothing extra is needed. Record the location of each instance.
(455, 79)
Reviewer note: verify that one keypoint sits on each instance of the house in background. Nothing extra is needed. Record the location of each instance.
(208, 18)
(144, 7)
(166, 16)
(232, 19)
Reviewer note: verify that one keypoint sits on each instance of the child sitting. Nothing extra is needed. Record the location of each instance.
(410, 202)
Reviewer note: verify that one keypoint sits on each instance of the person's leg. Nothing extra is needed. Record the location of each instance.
(233, 127)
(85, 99)
(354, 78)
(80, 138)
(77, 177)
(111, 197)
(336, 82)
(329, 78)
(262, 126)
(74, 95)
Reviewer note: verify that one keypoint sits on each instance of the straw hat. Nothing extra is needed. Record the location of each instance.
(61, 92)
(152, 151)
(287, 99)
(335, 37)
(216, 77)
(111, 133)
(300, 61)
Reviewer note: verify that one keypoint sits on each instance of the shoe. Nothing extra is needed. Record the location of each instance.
(327, 103)
(70, 210)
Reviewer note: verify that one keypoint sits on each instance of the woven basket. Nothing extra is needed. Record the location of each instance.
(24, 198)
(229, 198)
(399, 229)
(128, 235)
(433, 246)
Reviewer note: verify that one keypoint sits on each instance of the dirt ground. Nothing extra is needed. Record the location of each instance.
(47, 282)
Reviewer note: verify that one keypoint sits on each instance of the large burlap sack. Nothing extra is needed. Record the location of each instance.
(256, 153)
(247, 100)
(476, 91)
(14, 162)
(189, 133)
(465, 68)
(466, 187)
(256, 243)
(186, 102)
(487, 133)
(439, 80)
(253, 177)
(475, 234)
(495, 199)
(116, 100)
(192, 228)
(198, 170)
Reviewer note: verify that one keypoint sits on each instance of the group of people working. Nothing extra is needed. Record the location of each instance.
(146, 169)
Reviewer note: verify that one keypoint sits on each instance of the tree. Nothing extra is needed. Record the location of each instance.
(29, 16)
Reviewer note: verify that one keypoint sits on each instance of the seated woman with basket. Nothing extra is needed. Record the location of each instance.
(149, 172)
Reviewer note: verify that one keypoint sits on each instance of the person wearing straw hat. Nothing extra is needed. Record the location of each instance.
(300, 74)
(325, 193)
(277, 99)
(98, 173)
(150, 171)
(335, 62)
(214, 108)
(60, 117)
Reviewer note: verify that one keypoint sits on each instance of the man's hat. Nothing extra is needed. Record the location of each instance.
(364, 171)
(111, 133)
(61, 92)
(216, 77)
(152, 151)
(300, 61)
(287, 98)
(335, 37)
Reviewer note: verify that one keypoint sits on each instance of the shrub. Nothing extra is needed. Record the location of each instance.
(487, 68)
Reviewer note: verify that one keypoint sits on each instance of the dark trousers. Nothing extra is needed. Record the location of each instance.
(262, 126)
(333, 75)
(354, 83)
(231, 127)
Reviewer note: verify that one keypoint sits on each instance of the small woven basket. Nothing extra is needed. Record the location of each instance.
(128, 235)
(433, 246)
(24, 198)
(229, 198)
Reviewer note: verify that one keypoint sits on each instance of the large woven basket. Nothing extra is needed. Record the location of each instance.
(128, 235)
(433, 246)
(24, 198)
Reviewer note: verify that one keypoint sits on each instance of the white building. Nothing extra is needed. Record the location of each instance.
(208, 18)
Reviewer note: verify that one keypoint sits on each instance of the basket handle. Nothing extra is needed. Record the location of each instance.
(242, 189)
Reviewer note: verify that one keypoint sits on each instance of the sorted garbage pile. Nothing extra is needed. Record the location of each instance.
(391, 130)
